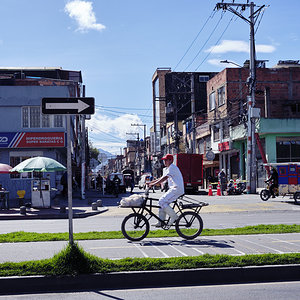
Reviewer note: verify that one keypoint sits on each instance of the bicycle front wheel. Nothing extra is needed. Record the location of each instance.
(135, 227)
(189, 225)
(265, 195)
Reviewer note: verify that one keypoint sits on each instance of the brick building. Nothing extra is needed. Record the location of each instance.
(277, 97)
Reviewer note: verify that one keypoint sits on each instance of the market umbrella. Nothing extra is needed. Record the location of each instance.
(39, 164)
(4, 168)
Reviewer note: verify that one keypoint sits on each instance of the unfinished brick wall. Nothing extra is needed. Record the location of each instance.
(277, 92)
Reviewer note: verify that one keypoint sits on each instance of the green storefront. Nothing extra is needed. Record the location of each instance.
(280, 139)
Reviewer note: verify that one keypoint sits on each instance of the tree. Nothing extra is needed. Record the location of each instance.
(94, 152)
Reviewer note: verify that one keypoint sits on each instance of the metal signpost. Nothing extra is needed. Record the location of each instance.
(68, 107)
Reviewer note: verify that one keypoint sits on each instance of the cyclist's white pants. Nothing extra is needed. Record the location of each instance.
(170, 196)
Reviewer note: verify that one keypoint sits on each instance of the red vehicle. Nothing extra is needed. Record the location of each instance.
(191, 167)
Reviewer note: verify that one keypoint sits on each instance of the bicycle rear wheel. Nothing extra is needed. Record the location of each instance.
(189, 225)
(135, 227)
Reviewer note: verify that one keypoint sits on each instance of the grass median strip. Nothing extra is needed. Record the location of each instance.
(22, 236)
(73, 260)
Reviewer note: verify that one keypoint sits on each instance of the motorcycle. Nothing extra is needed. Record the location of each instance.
(265, 194)
(240, 187)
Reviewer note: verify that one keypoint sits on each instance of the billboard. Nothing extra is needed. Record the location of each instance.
(32, 139)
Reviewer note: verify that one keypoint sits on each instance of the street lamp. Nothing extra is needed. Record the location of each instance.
(230, 62)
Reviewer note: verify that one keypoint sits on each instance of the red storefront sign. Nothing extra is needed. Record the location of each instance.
(223, 146)
(40, 140)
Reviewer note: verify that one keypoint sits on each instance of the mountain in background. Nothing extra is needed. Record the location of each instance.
(104, 156)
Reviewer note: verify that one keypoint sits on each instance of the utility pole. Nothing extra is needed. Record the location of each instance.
(144, 148)
(176, 131)
(251, 152)
(136, 158)
(193, 111)
(144, 129)
(83, 143)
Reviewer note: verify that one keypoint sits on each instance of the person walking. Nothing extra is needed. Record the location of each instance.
(172, 174)
(223, 181)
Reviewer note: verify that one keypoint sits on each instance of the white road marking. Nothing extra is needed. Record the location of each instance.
(140, 248)
(260, 245)
(162, 252)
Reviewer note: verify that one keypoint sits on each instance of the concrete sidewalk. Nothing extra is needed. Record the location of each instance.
(82, 208)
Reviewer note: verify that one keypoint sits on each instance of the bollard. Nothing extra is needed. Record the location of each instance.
(99, 203)
(94, 206)
(62, 209)
(23, 210)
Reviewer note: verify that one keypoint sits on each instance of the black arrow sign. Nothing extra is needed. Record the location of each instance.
(65, 106)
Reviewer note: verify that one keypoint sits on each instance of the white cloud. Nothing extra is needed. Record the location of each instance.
(239, 46)
(264, 48)
(215, 62)
(82, 12)
(114, 129)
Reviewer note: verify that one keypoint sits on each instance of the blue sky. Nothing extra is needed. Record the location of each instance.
(118, 45)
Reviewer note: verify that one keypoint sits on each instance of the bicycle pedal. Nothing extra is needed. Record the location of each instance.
(166, 227)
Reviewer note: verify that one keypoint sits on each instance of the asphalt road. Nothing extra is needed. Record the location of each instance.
(222, 212)
(252, 291)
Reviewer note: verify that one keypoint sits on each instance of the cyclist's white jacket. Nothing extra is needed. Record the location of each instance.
(176, 185)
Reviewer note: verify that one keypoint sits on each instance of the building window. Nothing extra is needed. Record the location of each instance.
(203, 78)
(58, 121)
(221, 96)
(216, 129)
(25, 122)
(33, 118)
(225, 130)
(45, 121)
(212, 101)
(288, 149)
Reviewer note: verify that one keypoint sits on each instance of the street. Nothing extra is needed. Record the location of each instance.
(223, 212)
(262, 291)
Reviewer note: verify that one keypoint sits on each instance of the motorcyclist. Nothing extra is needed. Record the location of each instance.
(230, 187)
(273, 179)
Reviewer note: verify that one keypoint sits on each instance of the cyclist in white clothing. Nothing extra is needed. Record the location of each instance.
(176, 189)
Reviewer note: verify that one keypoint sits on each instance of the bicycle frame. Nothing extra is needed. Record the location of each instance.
(146, 209)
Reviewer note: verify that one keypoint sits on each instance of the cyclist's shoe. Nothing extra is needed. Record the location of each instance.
(162, 216)
(173, 217)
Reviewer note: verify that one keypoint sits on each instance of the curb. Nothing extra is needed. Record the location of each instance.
(52, 215)
(146, 279)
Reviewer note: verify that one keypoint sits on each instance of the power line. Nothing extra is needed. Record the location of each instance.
(215, 44)
(118, 107)
(210, 17)
(125, 113)
(206, 40)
